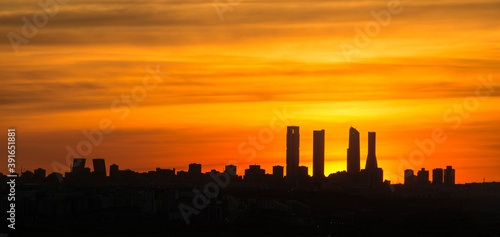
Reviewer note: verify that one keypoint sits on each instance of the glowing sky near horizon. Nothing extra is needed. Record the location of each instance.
(223, 80)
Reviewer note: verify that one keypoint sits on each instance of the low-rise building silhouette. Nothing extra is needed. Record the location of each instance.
(303, 172)
(437, 176)
(255, 174)
(423, 177)
(410, 178)
(40, 173)
(99, 167)
(278, 171)
(78, 166)
(449, 175)
(113, 170)
(194, 169)
(231, 170)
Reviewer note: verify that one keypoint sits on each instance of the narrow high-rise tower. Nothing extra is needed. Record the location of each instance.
(319, 154)
(353, 157)
(292, 151)
(371, 161)
(372, 174)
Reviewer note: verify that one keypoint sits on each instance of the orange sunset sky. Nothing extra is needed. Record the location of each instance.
(229, 70)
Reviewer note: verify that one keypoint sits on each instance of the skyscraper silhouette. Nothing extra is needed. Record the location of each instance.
(372, 174)
(371, 161)
(292, 151)
(319, 154)
(353, 154)
(99, 167)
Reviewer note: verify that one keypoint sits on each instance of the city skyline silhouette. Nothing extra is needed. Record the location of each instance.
(250, 118)
(191, 201)
(292, 163)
